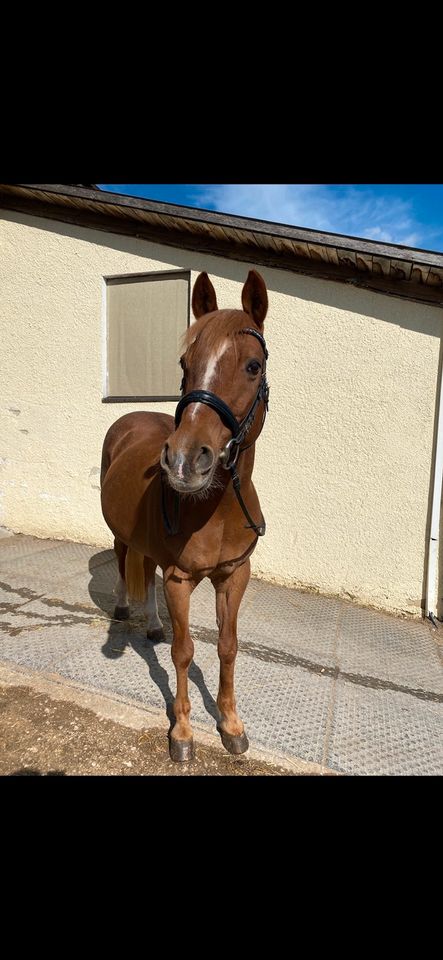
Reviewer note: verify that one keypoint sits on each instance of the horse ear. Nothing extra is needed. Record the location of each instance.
(254, 297)
(204, 298)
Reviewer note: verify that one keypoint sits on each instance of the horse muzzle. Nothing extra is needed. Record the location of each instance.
(188, 471)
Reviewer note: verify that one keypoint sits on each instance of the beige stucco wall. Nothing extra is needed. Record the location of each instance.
(343, 466)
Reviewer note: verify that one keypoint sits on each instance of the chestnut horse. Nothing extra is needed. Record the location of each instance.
(180, 495)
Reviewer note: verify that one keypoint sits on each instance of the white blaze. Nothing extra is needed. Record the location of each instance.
(210, 370)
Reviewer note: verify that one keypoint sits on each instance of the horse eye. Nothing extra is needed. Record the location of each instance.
(253, 367)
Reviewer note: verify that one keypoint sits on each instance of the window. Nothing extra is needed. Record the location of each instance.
(146, 317)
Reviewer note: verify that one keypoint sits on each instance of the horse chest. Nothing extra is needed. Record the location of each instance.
(201, 555)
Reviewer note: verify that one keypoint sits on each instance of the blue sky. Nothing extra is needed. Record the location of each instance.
(410, 214)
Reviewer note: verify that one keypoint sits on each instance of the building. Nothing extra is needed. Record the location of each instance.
(345, 467)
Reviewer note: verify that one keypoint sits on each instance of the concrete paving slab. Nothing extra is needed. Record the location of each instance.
(380, 733)
(399, 651)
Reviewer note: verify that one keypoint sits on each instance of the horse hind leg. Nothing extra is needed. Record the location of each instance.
(155, 630)
(137, 578)
(121, 611)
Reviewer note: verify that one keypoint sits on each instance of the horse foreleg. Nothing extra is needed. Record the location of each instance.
(178, 591)
(229, 594)
(155, 630)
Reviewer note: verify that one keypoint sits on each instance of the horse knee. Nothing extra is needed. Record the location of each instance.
(182, 654)
(227, 653)
(181, 662)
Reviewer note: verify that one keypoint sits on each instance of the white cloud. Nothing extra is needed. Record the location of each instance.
(357, 212)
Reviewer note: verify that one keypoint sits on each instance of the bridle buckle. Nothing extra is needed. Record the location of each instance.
(229, 454)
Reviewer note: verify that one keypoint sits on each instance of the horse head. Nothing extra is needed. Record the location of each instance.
(224, 384)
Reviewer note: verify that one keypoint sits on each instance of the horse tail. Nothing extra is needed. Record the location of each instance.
(135, 574)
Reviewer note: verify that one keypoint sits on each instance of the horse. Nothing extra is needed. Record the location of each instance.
(176, 492)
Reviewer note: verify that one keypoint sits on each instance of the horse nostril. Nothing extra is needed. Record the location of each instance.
(165, 455)
(204, 460)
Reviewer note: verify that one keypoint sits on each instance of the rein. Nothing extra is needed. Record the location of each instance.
(231, 451)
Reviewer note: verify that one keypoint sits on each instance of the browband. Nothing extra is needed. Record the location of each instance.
(258, 336)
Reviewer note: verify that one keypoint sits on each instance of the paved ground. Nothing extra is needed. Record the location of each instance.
(322, 685)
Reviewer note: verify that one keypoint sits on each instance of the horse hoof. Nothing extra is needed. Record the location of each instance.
(155, 636)
(234, 744)
(121, 613)
(180, 751)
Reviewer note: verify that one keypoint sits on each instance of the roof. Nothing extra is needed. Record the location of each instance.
(387, 268)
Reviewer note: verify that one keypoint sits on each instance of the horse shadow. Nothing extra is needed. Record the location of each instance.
(132, 632)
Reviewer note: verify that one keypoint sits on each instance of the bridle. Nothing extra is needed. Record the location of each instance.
(240, 430)
(233, 448)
